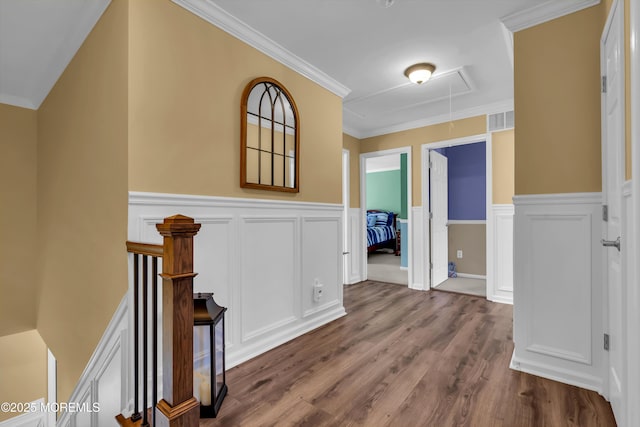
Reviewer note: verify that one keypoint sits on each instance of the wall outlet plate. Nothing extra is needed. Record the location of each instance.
(459, 255)
(317, 291)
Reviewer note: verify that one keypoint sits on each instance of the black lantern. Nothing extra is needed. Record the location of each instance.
(209, 385)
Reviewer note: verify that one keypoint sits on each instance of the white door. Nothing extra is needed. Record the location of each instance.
(612, 179)
(346, 271)
(438, 198)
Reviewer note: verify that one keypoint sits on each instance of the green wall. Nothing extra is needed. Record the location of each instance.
(384, 191)
(403, 186)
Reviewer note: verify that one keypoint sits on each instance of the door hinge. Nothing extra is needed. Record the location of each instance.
(430, 164)
(430, 266)
(606, 342)
(430, 215)
(604, 84)
(605, 212)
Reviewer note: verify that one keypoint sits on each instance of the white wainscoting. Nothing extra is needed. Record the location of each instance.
(260, 258)
(558, 312)
(29, 419)
(500, 254)
(357, 255)
(104, 381)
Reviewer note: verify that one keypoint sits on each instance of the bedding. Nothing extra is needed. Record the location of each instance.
(381, 230)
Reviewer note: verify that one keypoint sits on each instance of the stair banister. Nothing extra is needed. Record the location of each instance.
(178, 408)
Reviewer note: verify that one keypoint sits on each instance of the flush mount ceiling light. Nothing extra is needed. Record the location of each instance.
(420, 73)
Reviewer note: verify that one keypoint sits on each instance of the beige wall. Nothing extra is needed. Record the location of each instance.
(557, 104)
(23, 369)
(18, 172)
(353, 145)
(472, 240)
(82, 197)
(187, 78)
(502, 162)
(414, 138)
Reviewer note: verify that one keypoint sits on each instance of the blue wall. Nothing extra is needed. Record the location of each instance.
(467, 181)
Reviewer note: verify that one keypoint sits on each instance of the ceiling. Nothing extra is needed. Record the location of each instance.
(358, 49)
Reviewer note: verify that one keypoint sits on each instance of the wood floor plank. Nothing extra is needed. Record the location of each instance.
(404, 358)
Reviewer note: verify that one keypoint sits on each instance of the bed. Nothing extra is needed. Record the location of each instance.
(381, 230)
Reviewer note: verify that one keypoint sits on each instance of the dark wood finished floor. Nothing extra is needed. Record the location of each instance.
(404, 358)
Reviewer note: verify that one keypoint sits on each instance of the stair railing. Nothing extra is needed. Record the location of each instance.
(178, 407)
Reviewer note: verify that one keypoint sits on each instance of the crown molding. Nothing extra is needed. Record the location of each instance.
(480, 110)
(544, 12)
(217, 16)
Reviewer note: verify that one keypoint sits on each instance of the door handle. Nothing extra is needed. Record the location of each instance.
(611, 243)
(345, 253)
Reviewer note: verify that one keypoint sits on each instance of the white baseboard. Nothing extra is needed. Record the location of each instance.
(566, 376)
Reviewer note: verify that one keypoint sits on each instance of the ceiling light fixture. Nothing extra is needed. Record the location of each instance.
(420, 73)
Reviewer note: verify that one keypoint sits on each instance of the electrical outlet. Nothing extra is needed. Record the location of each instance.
(459, 255)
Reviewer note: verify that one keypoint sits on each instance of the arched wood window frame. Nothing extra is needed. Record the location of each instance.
(276, 94)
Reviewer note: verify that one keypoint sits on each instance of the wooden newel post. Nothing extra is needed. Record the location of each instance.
(178, 408)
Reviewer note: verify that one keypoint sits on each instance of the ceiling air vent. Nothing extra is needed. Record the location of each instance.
(500, 121)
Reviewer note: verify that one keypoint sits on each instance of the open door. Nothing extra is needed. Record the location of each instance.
(438, 192)
(346, 271)
(613, 167)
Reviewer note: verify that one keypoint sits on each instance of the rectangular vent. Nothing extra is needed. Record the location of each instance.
(500, 121)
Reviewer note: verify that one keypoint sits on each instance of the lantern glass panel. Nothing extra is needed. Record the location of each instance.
(219, 349)
(202, 364)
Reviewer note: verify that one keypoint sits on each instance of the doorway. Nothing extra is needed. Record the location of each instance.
(385, 192)
(457, 195)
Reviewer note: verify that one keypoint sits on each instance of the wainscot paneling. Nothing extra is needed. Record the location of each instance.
(558, 313)
(270, 275)
(320, 237)
(103, 389)
(29, 419)
(261, 259)
(500, 263)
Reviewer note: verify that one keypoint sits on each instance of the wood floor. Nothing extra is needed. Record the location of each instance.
(404, 358)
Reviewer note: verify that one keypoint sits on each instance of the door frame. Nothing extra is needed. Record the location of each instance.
(426, 238)
(363, 207)
(615, 23)
(634, 235)
(346, 203)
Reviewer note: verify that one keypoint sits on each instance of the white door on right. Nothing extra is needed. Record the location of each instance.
(613, 169)
(439, 204)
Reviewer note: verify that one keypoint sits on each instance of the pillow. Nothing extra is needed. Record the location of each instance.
(371, 220)
(381, 219)
(390, 221)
